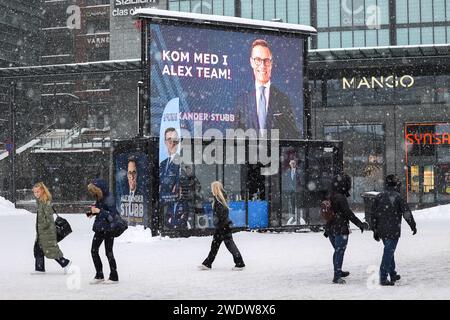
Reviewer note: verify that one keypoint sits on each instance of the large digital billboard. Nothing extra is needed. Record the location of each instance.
(203, 78)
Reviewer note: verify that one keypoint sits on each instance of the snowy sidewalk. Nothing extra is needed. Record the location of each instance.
(279, 265)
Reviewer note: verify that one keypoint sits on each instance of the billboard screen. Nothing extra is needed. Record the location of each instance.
(204, 78)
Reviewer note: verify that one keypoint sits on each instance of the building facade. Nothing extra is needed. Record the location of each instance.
(378, 77)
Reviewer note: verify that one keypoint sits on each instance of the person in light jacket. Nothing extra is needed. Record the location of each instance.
(46, 244)
(222, 232)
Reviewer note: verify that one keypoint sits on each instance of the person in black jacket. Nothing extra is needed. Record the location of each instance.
(337, 230)
(105, 214)
(223, 233)
(389, 207)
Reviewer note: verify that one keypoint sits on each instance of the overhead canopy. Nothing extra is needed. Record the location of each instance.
(367, 57)
(72, 68)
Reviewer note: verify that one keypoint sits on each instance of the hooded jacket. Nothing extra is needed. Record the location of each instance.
(389, 207)
(339, 193)
(105, 220)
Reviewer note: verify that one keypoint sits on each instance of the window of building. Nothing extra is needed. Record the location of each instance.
(293, 12)
(439, 10)
(413, 11)
(401, 11)
(269, 9)
(364, 155)
(322, 14)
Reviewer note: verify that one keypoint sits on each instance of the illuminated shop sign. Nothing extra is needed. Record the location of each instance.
(428, 138)
(405, 81)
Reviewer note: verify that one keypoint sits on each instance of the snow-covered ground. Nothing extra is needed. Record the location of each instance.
(279, 265)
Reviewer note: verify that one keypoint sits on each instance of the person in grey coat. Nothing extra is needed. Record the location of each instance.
(46, 244)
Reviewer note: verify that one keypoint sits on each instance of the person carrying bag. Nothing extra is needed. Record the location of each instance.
(108, 224)
(46, 232)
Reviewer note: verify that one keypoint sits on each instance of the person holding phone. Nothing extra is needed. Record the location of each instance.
(104, 211)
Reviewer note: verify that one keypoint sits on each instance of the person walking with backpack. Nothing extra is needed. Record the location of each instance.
(46, 244)
(337, 227)
(389, 207)
(223, 233)
(105, 214)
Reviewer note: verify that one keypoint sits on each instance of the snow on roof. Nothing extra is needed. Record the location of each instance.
(27, 145)
(21, 149)
(223, 20)
(66, 150)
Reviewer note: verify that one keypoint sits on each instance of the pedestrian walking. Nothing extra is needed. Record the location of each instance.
(46, 244)
(105, 214)
(222, 224)
(389, 207)
(338, 229)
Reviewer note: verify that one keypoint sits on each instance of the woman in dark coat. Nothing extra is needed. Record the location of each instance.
(223, 233)
(105, 214)
(46, 244)
(337, 230)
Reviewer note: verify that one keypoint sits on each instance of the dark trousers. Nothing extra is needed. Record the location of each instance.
(387, 262)
(109, 242)
(224, 235)
(339, 243)
(39, 264)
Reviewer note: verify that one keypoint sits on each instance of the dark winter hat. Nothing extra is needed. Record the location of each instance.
(392, 180)
(342, 183)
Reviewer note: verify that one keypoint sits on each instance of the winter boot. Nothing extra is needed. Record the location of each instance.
(345, 274)
(338, 281)
(386, 283)
(203, 267)
(238, 268)
(395, 277)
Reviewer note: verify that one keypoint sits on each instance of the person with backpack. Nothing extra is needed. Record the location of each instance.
(106, 215)
(337, 223)
(223, 233)
(46, 244)
(389, 207)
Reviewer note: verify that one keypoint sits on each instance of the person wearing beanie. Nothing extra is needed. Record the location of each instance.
(337, 229)
(386, 221)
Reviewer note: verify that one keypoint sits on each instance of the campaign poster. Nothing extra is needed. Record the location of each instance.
(132, 187)
(205, 78)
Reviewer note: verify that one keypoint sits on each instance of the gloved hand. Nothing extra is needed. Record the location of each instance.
(414, 230)
(364, 226)
(376, 236)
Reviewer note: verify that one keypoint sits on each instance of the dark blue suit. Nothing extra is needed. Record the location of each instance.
(279, 113)
(169, 181)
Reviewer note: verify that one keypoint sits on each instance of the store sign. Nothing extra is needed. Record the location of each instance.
(96, 13)
(428, 138)
(123, 8)
(405, 81)
(98, 41)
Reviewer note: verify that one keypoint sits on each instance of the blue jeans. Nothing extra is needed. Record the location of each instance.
(339, 243)
(388, 262)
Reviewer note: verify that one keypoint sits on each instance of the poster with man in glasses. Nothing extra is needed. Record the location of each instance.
(169, 179)
(132, 187)
(263, 106)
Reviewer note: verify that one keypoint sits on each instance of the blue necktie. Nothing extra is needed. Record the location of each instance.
(262, 109)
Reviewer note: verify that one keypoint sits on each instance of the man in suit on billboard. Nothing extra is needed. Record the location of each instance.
(169, 177)
(264, 106)
(292, 191)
